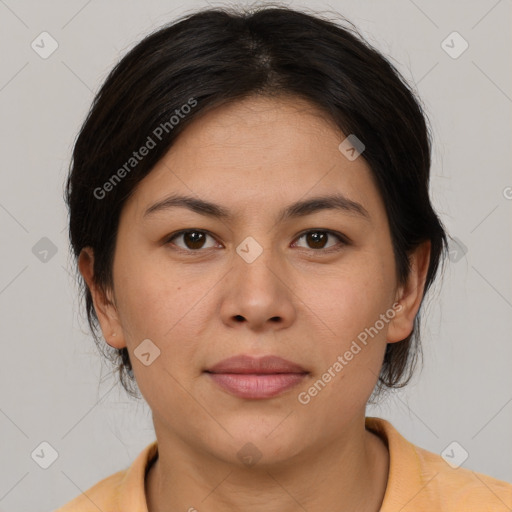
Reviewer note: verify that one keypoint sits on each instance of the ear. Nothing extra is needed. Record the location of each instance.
(410, 294)
(105, 308)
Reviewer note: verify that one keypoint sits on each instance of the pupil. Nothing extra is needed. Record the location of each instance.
(317, 238)
(195, 238)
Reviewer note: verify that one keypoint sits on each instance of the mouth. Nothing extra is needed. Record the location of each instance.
(256, 378)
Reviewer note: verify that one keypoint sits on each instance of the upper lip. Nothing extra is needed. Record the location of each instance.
(262, 365)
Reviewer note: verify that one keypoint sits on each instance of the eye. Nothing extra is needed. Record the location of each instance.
(194, 239)
(317, 239)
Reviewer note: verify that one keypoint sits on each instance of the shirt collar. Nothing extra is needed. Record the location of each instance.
(405, 478)
(132, 491)
(405, 470)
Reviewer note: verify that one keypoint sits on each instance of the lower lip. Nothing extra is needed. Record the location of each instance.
(257, 386)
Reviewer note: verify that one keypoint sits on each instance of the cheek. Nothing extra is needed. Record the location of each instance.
(353, 349)
(154, 307)
(350, 302)
(348, 299)
(168, 307)
(164, 311)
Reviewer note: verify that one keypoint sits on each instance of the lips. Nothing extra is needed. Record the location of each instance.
(256, 378)
(243, 364)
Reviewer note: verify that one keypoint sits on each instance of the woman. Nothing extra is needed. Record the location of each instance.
(250, 214)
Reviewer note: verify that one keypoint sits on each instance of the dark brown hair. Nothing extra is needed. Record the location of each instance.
(221, 55)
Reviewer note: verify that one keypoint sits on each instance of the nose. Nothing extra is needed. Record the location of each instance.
(258, 294)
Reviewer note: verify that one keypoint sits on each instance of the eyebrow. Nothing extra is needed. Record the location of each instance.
(298, 209)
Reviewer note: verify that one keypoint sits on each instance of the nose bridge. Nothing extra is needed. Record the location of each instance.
(257, 293)
(250, 250)
(255, 262)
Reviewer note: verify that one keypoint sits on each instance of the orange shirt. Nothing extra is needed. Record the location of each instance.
(418, 481)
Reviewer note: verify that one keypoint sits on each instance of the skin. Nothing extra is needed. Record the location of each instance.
(295, 300)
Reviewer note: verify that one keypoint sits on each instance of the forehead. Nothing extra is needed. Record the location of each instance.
(260, 127)
(257, 154)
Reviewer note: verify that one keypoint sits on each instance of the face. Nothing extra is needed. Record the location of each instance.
(305, 286)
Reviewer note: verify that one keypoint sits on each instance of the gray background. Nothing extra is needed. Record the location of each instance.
(53, 384)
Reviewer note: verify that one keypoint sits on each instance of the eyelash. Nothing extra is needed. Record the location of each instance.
(342, 238)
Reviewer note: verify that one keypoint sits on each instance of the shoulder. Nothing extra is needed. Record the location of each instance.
(123, 491)
(421, 481)
(101, 496)
(459, 488)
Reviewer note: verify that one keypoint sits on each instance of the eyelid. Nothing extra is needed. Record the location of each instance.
(342, 238)
(167, 239)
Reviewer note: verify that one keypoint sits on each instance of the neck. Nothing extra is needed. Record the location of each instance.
(348, 474)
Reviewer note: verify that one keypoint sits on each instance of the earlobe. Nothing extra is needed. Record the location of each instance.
(410, 295)
(105, 308)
